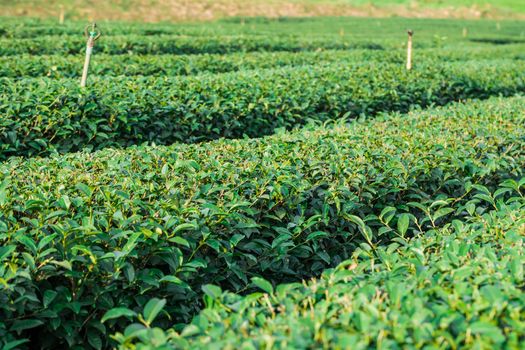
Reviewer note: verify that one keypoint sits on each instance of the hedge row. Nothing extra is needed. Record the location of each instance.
(24, 29)
(59, 66)
(457, 287)
(83, 234)
(179, 45)
(168, 65)
(41, 115)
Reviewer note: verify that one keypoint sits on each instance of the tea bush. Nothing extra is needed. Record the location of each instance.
(181, 44)
(417, 217)
(459, 286)
(83, 234)
(42, 116)
(58, 66)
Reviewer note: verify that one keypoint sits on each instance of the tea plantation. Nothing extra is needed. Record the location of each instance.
(251, 183)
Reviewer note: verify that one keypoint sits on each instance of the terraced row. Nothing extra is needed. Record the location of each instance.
(458, 286)
(179, 45)
(41, 115)
(82, 234)
(59, 66)
(350, 28)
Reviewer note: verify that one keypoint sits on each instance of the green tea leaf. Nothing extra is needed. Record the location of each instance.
(263, 284)
(174, 280)
(152, 309)
(403, 223)
(6, 251)
(49, 296)
(180, 240)
(212, 291)
(14, 344)
(117, 313)
(21, 325)
(185, 227)
(316, 234)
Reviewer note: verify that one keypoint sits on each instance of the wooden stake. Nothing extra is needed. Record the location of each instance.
(92, 36)
(465, 32)
(62, 15)
(409, 50)
(89, 51)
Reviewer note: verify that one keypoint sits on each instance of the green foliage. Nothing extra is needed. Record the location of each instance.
(349, 28)
(88, 238)
(250, 34)
(178, 45)
(42, 116)
(58, 66)
(459, 286)
(420, 212)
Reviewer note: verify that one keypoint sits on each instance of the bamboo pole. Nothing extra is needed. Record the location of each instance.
(89, 51)
(62, 15)
(409, 50)
(92, 36)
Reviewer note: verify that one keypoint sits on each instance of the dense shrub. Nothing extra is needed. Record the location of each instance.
(40, 116)
(83, 234)
(58, 66)
(459, 286)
